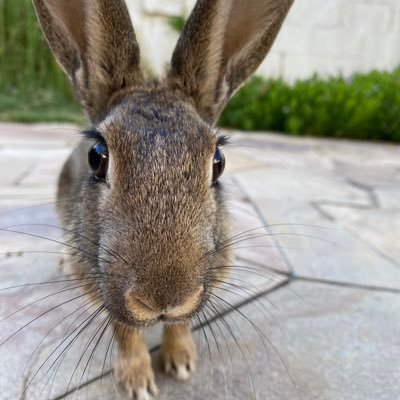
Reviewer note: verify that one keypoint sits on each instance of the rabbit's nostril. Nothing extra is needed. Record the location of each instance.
(140, 308)
(188, 306)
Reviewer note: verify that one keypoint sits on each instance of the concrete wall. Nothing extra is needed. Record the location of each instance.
(319, 36)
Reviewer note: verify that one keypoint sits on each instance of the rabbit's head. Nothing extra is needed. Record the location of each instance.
(149, 199)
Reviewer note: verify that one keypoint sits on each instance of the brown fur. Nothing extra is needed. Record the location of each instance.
(133, 369)
(95, 43)
(223, 43)
(151, 231)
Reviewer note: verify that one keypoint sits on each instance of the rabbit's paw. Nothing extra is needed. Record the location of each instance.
(135, 375)
(180, 355)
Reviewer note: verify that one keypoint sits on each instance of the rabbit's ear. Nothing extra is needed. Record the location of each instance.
(222, 44)
(95, 43)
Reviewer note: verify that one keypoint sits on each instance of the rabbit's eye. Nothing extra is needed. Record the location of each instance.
(218, 164)
(98, 160)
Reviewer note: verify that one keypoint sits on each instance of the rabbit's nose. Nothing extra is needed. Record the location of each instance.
(144, 310)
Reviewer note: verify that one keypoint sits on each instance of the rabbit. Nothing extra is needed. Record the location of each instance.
(140, 197)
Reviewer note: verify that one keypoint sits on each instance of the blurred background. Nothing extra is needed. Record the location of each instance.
(337, 57)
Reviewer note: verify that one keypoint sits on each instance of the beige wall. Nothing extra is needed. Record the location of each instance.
(319, 36)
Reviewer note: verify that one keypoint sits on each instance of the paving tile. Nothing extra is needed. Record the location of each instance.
(376, 228)
(388, 198)
(38, 135)
(345, 220)
(254, 243)
(324, 345)
(13, 170)
(46, 169)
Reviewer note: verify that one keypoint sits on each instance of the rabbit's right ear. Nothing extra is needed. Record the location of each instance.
(222, 44)
(95, 43)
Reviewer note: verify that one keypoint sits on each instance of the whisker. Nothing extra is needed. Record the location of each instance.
(206, 310)
(268, 226)
(53, 241)
(63, 353)
(93, 302)
(43, 298)
(41, 315)
(102, 328)
(105, 357)
(240, 349)
(257, 271)
(249, 292)
(111, 357)
(214, 312)
(230, 245)
(208, 348)
(84, 276)
(106, 249)
(262, 335)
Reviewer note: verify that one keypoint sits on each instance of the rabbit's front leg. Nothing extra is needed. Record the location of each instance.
(179, 351)
(133, 369)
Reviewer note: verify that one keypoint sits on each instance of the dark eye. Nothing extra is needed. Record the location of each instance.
(218, 164)
(98, 160)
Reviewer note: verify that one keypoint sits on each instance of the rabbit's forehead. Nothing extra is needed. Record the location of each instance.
(168, 143)
(163, 128)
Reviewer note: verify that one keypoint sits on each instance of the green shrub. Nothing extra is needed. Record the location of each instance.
(177, 23)
(367, 106)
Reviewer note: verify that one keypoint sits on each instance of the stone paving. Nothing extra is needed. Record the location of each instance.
(317, 319)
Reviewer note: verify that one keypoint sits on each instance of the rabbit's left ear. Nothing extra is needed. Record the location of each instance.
(222, 44)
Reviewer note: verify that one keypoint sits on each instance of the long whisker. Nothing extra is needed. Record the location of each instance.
(258, 271)
(41, 315)
(262, 336)
(241, 350)
(85, 276)
(103, 328)
(68, 288)
(247, 292)
(206, 310)
(106, 249)
(86, 323)
(230, 245)
(115, 331)
(268, 226)
(54, 241)
(214, 312)
(92, 302)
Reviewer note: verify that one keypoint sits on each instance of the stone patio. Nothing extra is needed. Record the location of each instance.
(319, 316)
